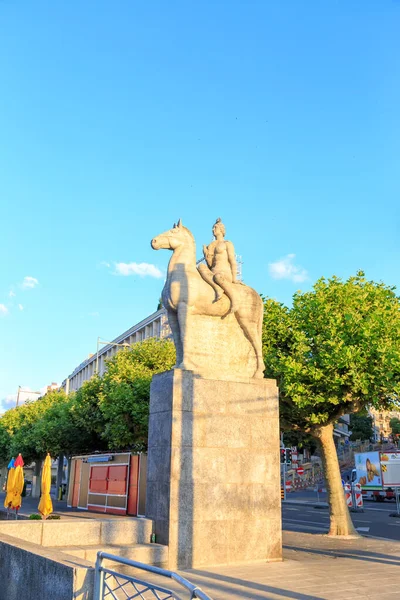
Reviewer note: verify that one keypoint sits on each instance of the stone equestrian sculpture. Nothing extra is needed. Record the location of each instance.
(209, 299)
(213, 474)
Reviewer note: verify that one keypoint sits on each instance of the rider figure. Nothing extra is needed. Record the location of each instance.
(221, 270)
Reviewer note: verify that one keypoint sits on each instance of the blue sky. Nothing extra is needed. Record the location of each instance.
(119, 117)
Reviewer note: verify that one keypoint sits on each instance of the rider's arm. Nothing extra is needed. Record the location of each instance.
(232, 260)
(208, 255)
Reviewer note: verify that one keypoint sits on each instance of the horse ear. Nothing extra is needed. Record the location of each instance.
(179, 223)
(174, 227)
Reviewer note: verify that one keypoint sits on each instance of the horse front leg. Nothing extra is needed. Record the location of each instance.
(184, 313)
(174, 324)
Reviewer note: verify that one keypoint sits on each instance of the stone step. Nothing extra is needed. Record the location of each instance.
(151, 554)
(81, 532)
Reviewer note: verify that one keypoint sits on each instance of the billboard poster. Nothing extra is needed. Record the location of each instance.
(390, 467)
(368, 469)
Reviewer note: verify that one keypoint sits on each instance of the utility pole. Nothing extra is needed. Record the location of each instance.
(105, 343)
(19, 389)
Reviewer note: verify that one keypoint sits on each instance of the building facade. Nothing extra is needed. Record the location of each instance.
(381, 423)
(155, 325)
(341, 431)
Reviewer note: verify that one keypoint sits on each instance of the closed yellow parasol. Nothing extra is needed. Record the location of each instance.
(45, 505)
(10, 483)
(16, 499)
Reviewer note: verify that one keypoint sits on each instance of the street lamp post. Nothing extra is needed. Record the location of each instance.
(105, 343)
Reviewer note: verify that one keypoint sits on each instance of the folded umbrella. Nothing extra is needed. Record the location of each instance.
(16, 499)
(45, 505)
(10, 483)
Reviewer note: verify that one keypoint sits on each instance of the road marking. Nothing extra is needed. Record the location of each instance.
(310, 527)
(388, 509)
(362, 521)
(363, 529)
(305, 522)
(287, 508)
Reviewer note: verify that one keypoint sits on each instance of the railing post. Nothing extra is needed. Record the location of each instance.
(98, 591)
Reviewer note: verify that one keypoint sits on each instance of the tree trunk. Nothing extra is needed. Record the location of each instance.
(341, 523)
(60, 472)
(68, 475)
(36, 480)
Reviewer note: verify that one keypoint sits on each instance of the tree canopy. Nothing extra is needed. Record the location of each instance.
(106, 413)
(125, 397)
(24, 427)
(361, 427)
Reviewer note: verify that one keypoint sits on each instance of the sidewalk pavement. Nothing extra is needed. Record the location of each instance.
(315, 567)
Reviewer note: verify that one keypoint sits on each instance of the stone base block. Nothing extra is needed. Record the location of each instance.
(213, 479)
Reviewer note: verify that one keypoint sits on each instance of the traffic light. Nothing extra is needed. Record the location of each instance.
(286, 456)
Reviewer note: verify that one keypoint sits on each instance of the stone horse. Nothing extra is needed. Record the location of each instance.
(186, 293)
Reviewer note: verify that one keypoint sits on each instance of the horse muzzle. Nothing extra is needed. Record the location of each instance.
(155, 244)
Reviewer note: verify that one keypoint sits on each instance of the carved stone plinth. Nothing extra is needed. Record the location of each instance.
(213, 480)
(219, 350)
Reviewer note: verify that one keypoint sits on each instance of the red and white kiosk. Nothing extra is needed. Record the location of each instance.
(113, 483)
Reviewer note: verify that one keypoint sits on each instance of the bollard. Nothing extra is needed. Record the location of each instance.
(357, 497)
(348, 495)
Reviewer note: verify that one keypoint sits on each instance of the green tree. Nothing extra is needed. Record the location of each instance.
(395, 426)
(87, 414)
(125, 393)
(5, 444)
(361, 427)
(109, 412)
(48, 424)
(336, 351)
(20, 423)
(58, 431)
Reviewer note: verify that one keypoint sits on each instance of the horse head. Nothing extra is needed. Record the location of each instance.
(172, 238)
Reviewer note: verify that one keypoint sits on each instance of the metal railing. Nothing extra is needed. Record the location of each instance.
(111, 585)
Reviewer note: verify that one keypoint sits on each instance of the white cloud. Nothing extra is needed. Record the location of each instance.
(286, 269)
(94, 314)
(141, 269)
(11, 294)
(25, 394)
(104, 263)
(3, 309)
(29, 282)
(20, 307)
(7, 402)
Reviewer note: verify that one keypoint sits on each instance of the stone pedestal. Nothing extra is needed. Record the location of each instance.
(213, 478)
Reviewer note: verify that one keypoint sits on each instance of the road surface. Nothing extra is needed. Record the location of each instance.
(374, 521)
